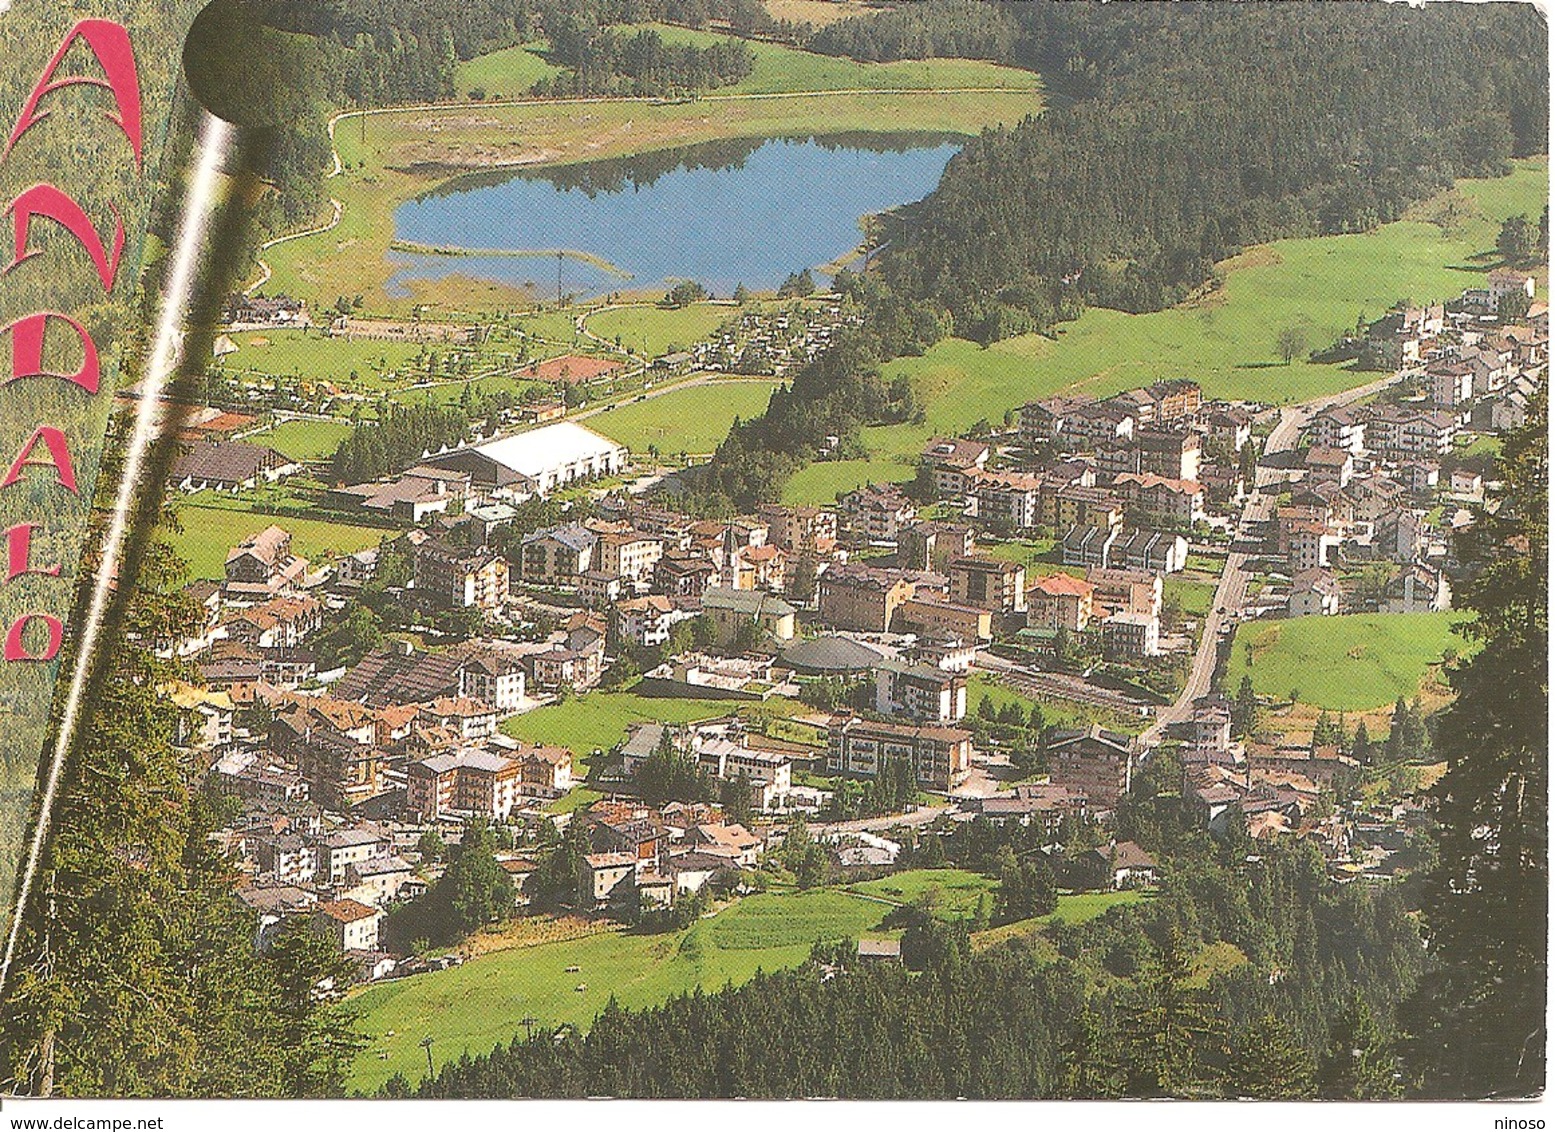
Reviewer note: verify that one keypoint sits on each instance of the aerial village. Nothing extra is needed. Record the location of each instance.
(1013, 638)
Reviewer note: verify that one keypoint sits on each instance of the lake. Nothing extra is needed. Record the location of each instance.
(722, 213)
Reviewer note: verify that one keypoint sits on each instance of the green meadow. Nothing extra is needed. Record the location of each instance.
(509, 73)
(209, 532)
(1352, 662)
(651, 331)
(690, 420)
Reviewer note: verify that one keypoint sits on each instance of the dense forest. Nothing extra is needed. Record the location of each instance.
(946, 29)
(1193, 130)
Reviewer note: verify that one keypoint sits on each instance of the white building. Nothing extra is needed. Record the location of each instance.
(536, 462)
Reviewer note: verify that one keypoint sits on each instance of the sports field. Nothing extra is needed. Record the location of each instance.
(473, 1007)
(1349, 663)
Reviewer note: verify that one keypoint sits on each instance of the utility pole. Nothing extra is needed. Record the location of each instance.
(529, 1022)
(426, 1044)
(559, 257)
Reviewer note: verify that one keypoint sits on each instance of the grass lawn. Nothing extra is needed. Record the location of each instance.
(473, 1007)
(1194, 597)
(509, 73)
(822, 482)
(1349, 663)
(311, 355)
(779, 69)
(598, 720)
(304, 440)
(1073, 908)
(690, 421)
(1040, 556)
(652, 331)
(407, 152)
(954, 892)
(210, 532)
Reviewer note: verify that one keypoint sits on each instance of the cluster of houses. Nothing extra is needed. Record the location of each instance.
(1382, 482)
(775, 342)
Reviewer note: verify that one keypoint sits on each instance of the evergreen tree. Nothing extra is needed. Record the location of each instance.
(1359, 1063)
(1267, 1063)
(1477, 1025)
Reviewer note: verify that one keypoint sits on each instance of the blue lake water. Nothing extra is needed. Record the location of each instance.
(720, 214)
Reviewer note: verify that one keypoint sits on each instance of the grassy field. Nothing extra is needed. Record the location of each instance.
(1225, 340)
(311, 355)
(780, 69)
(1194, 597)
(304, 440)
(1349, 663)
(953, 893)
(401, 153)
(817, 13)
(598, 720)
(685, 421)
(475, 1006)
(651, 331)
(509, 73)
(210, 532)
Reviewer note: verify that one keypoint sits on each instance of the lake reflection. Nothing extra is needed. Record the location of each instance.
(723, 213)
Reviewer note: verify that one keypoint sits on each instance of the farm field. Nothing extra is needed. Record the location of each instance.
(210, 532)
(350, 258)
(651, 331)
(691, 420)
(1349, 663)
(509, 73)
(304, 440)
(1225, 340)
(475, 1006)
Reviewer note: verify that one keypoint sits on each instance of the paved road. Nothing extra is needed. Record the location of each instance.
(1231, 592)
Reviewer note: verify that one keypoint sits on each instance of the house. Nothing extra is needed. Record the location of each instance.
(1314, 592)
(736, 612)
(1172, 453)
(879, 951)
(1123, 864)
(1504, 281)
(557, 556)
(1060, 601)
(377, 881)
(630, 555)
(932, 545)
(1138, 591)
(470, 780)
(263, 564)
(800, 530)
(1094, 762)
(536, 462)
(605, 879)
(1417, 588)
(412, 497)
(1044, 421)
(874, 513)
(988, 583)
(1158, 552)
(1342, 427)
(1231, 427)
(1329, 463)
(733, 842)
(1149, 498)
(342, 848)
(952, 460)
(646, 621)
(933, 617)
(1005, 500)
(940, 756)
(920, 691)
(861, 598)
(1031, 804)
(229, 465)
(1131, 636)
(451, 577)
